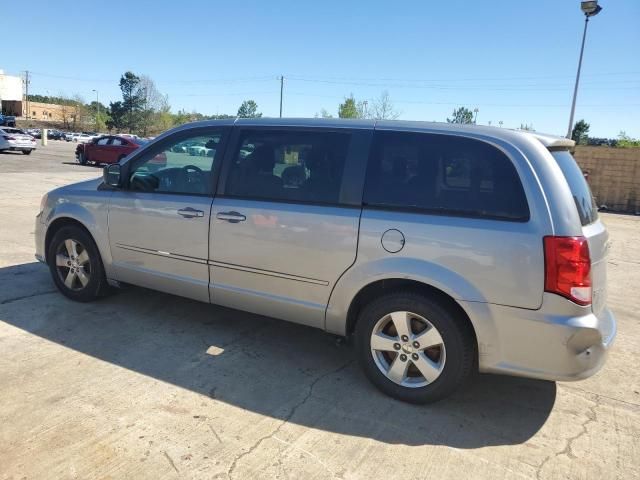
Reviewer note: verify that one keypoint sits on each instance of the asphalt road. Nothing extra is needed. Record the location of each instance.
(148, 385)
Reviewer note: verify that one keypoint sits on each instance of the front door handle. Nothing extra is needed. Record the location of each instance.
(232, 217)
(190, 212)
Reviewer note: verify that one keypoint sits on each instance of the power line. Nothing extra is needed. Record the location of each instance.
(419, 102)
(468, 79)
(519, 88)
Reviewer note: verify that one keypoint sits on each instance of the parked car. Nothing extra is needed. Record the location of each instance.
(106, 149)
(441, 248)
(7, 120)
(14, 139)
(83, 138)
(55, 135)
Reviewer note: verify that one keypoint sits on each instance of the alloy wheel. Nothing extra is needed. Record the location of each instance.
(408, 349)
(73, 264)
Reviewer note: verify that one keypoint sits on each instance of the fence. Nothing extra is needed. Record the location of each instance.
(614, 176)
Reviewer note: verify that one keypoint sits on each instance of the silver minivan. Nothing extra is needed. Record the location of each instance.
(442, 249)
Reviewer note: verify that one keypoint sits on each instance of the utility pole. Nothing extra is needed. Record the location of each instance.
(26, 84)
(281, 90)
(97, 108)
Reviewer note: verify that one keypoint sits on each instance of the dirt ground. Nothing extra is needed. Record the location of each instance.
(148, 385)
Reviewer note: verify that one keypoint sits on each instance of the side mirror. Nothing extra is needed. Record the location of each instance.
(112, 175)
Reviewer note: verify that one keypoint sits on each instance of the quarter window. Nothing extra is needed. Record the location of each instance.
(444, 174)
(185, 166)
(289, 166)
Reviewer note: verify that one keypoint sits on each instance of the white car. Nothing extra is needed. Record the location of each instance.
(83, 137)
(14, 139)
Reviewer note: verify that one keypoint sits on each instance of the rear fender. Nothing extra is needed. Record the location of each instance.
(363, 274)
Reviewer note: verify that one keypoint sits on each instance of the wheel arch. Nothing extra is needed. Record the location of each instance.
(71, 215)
(58, 224)
(391, 285)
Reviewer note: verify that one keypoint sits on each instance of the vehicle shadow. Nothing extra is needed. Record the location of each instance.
(270, 367)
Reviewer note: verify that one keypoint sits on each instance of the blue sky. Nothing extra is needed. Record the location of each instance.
(513, 60)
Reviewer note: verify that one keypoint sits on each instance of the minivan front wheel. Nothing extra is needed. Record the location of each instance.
(75, 265)
(413, 348)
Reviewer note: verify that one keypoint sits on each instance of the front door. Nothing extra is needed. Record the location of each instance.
(286, 225)
(159, 224)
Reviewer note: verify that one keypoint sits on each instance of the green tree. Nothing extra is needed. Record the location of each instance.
(625, 141)
(580, 133)
(249, 109)
(349, 108)
(461, 115)
(117, 114)
(132, 100)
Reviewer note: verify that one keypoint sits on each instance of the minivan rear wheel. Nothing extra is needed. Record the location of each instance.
(413, 347)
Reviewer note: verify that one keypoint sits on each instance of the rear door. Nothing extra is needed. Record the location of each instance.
(592, 227)
(459, 210)
(159, 224)
(116, 149)
(286, 224)
(96, 151)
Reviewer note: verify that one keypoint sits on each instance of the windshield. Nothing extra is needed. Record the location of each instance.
(585, 203)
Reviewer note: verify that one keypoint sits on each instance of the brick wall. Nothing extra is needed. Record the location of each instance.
(614, 176)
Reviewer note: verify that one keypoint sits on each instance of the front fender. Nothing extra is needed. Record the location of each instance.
(91, 212)
(362, 274)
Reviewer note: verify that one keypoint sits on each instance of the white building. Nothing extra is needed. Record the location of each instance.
(10, 94)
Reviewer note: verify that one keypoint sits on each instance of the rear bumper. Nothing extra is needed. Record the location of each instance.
(569, 344)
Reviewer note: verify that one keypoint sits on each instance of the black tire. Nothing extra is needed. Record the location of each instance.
(26, 152)
(457, 338)
(97, 285)
(82, 160)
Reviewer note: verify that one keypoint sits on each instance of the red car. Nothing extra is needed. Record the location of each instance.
(111, 149)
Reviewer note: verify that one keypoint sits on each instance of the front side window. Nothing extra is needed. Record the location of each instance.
(299, 166)
(444, 174)
(184, 166)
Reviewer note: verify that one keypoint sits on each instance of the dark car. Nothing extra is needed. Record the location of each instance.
(55, 135)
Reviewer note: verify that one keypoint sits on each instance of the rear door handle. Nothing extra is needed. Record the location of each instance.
(190, 212)
(232, 217)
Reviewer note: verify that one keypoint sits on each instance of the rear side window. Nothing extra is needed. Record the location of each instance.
(289, 165)
(443, 174)
(585, 203)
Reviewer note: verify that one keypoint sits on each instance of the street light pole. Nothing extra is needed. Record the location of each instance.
(575, 88)
(590, 9)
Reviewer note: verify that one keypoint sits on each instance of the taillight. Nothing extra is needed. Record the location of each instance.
(568, 268)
